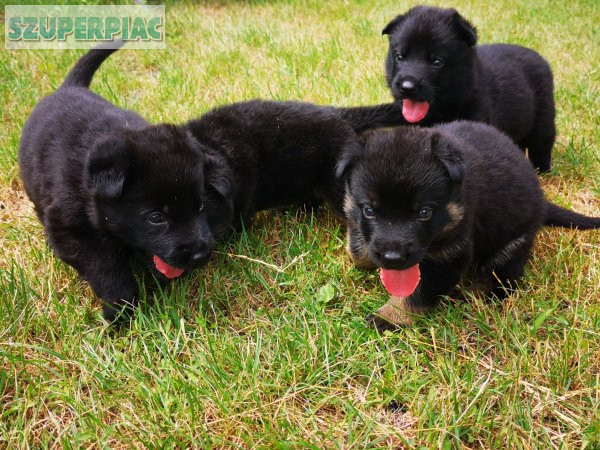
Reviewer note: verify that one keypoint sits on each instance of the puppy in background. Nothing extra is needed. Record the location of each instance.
(107, 185)
(438, 74)
(268, 154)
(427, 206)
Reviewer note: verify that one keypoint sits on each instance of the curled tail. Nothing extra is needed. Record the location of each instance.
(562, 217)
(82, 73)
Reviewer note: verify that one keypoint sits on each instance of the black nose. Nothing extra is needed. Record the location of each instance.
(195, 252)
(393, 256)
(200, 256)
(408, 86)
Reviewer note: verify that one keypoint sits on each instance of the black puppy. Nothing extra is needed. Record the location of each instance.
(438, 73)
(266, 154)
(454, 197)
(271, 154)
(106, 184)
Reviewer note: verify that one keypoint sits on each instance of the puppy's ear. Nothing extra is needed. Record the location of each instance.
(466, 30)
(107, 166)
(390, 27)
(218, 175)
(449, 155)
(349, 156)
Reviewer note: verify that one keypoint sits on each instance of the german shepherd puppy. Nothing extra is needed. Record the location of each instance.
(107, 185)
(452, 198)
(437, 72)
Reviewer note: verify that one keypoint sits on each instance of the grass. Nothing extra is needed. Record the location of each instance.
(266, 347)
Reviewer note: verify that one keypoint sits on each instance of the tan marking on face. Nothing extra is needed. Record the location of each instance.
(456, 213)
(349, 204)
(399, 311)
(360, 259)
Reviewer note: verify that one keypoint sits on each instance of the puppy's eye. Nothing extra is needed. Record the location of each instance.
(368, 212)
(156, 218)
(400, 56)
(425, 213)
(437, 61)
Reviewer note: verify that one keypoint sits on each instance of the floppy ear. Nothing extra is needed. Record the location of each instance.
(218, 175)
(390, 27)
(349, 156)
(106, 167)
(464, 27)
(449, 155)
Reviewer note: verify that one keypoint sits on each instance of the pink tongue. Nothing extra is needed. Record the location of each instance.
(413, 111)
(167, 270)
(401, 283)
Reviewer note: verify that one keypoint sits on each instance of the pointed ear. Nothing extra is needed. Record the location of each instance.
(467, 31)
(349, 156)
(107, 166)
(390, 27)
(218, 175)
(449, 155)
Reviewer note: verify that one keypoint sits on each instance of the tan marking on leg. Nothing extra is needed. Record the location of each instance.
(399, 311)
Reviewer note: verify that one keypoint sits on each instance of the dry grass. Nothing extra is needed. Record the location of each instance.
(255, 351)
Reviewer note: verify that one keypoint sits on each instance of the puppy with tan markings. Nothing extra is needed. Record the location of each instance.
(426, 205)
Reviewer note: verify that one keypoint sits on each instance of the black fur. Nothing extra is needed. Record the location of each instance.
(507, 86)
(96, 174)
(483, 198)
(265, 154)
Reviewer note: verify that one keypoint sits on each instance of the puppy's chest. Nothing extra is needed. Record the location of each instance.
(450, 251)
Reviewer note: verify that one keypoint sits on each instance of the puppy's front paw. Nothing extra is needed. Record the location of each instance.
(397, 312)
(117, 313)
(380, 324)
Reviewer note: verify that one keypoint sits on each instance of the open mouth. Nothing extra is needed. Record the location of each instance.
(166, 269)
(401, 283)
(414, 111)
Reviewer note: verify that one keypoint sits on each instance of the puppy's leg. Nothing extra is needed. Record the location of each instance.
(540, 141)
(101, 263)
(397, 312)
(435, 282)
(113, 282)
(508, 266)
(357, 248)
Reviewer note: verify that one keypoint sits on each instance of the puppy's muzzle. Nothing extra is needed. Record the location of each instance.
(397, 258)
(407, 86)
(194, 254)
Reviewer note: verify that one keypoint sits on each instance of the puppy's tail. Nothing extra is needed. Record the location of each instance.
(81, 75)
(362, 118)
(562, 217)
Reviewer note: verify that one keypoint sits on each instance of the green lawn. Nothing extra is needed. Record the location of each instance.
(266, 347)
